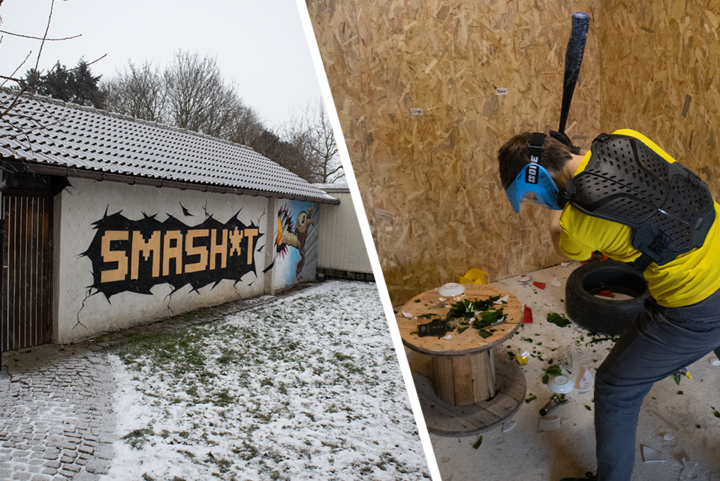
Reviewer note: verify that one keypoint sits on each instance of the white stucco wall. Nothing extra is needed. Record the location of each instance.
(81, 310)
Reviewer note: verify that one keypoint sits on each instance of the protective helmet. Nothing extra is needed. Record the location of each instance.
(534, 184)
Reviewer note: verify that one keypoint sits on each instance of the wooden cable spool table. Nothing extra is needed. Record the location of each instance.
(473, 390)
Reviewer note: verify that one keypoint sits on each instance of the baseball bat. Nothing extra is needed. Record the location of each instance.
(573, 62)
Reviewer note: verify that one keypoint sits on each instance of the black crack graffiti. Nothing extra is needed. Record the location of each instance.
(123, 253)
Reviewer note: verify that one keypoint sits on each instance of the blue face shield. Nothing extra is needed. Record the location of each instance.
(534, 185)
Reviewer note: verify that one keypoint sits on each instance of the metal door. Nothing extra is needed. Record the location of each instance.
(27, 268)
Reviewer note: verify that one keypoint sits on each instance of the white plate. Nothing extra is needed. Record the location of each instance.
(451, 289)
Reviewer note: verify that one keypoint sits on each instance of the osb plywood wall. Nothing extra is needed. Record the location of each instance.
(660, 74)
(429, 182)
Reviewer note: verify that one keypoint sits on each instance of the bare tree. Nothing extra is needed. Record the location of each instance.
(198, 98)
(138, 92)
(313, 136)
(245, 128)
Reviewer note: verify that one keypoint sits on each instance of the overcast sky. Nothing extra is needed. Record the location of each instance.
(258, 44)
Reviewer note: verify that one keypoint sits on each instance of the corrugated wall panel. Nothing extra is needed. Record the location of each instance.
(341, 242)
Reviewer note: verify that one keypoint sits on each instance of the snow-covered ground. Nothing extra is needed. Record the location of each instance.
(306, 387)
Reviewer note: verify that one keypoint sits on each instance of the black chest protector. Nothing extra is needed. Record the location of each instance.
(669, 208)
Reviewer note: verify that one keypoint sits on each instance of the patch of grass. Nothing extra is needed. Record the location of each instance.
(222, 398)
(175, 353)
(186, 453)
(226, 357)
(247, 452)
(138, 438)
(342, 357)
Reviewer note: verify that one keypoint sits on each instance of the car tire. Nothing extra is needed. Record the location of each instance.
(606, 316)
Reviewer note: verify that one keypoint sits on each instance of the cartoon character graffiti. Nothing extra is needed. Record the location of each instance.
(293, 234)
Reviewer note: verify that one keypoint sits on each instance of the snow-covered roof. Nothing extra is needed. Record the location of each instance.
(337, 187)
(83, 139)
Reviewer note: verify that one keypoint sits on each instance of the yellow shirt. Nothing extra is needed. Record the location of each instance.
(686, 280)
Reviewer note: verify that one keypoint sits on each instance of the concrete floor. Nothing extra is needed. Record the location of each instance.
(526, 453)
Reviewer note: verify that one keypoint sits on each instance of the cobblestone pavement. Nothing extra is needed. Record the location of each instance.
(56, 418)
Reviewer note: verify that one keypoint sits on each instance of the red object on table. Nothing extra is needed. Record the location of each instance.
(539, 285)
(527, 315)
(606, 294)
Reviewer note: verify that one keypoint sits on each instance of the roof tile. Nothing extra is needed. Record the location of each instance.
(49, 131)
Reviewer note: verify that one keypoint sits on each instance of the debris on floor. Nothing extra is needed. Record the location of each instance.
(558, 319)
(551, 424)
(664, 413)
(477, 443)
(651, 456)
(523, 358)
(561, 384)
(587, 381)
(527, 315)
(525, 280)
(555, 401)
(507, 427)
(539, 285)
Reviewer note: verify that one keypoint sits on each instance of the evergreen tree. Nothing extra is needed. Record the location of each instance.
(77, 85)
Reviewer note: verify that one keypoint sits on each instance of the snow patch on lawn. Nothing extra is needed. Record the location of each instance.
(307, 387)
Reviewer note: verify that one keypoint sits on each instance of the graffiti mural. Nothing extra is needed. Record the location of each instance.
(135, 255)
(296, 243)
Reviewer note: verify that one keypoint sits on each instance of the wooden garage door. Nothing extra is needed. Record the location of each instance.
(27, 269)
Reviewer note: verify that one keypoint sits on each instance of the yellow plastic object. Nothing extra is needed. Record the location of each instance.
(522, 358)
(688, 375)
(475, 276)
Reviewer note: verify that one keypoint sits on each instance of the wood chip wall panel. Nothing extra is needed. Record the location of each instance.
(660, 70)
(429, 182)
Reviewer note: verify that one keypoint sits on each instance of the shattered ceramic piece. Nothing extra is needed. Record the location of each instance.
(564, 264)
(586, 381)
(525, 280)
(442, 299)
(651, 456)
(502, 299)
(555, 283)
(451, 289)
(561, 384)
(407, 314)
(668, 437)
(448, 337)
(549, 424)
(714, 362)
(507, 427)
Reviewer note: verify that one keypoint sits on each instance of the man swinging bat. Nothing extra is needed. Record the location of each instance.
(627, 198)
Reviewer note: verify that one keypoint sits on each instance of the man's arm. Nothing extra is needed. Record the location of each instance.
(556, 231)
